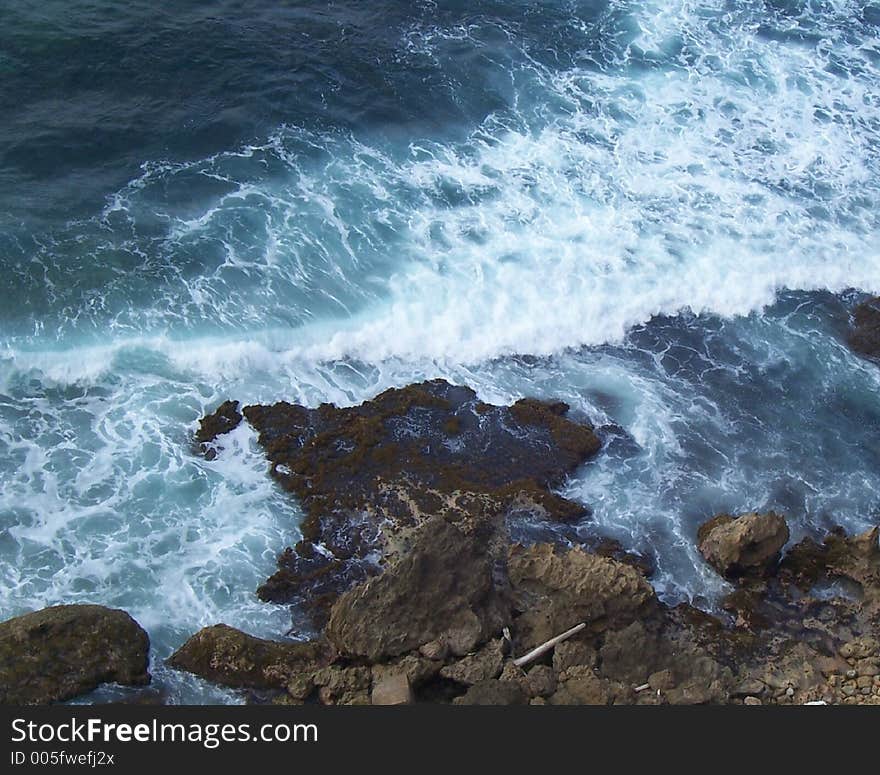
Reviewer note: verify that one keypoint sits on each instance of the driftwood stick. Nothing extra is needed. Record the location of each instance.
(545, 647)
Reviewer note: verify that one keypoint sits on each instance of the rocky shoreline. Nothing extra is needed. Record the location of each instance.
(783, 643)
(423, 586)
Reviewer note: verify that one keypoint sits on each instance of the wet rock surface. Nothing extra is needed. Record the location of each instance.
(61, 652)
(226, 418)
(442, 590)
(366, 474)
(452, 600)
(230, 657)
(747, 544)
(864, 335)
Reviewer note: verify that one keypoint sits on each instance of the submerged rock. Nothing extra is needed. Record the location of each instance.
(864, 336)
(748, 544)
(366, 474)
(61, 652)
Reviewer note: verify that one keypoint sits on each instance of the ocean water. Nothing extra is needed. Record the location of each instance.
(660, 212)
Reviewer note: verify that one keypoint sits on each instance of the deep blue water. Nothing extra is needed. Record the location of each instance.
(660, 212)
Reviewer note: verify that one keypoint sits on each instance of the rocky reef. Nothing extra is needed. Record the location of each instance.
(864, 335)
(421, 594)
(60, 652)
(366, 476)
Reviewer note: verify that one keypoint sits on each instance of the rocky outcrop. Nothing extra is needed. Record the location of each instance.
(233, 658)
(367, 474)
(748, 544)
(226, 418)
(61, 652)
(426, 598)
(442, 590)
(782, 647)
(864, 335)
(556, 590)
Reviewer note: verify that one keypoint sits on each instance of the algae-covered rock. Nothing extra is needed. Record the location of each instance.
(365, 474)
(61, 652)
(230, 657)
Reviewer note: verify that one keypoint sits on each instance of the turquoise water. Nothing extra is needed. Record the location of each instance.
(659, 212)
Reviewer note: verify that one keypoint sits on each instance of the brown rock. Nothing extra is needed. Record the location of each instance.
(343, 685)
(434, 649)
(573, 652)
(417, 669)
(748, 544)
(367, 474)
(442, 590)
(629, 654)
(541, 681)
(557, 590)
(230, 657)
(224, 419)
(61, 652)
(481, 666)
(493, 692)
(661, 681)
(394, 689)
(579, 685)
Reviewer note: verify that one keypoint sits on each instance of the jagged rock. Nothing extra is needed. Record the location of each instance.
(573, 652)
(61, 652)
(226, 418)
(394, 689)
(343, 685)
(485, 664)
(661, 681)
(750, 686)
(365, 474)
(748, 544)
(702, 680)
(629, 654)
(556, 590)
(417, 669)
(435, 649)
(541, 681)
(230, 657)
(579, 685)
(864, 336)
(860, 648)
(493, 692)
(854, 559)
(443, 589)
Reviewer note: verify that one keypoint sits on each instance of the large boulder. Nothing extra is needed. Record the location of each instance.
(226, 418)
(555, 590)
(61, 652)
(231, 657)
(746, 545)
(864, 336)
(443, 589)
